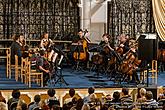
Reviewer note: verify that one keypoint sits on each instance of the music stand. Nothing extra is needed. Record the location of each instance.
(78, 48)
(58, 68)
(60, 76)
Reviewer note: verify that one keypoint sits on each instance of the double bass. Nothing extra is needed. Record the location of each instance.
(81, 54)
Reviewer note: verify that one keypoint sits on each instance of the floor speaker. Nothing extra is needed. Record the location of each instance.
(147, 48)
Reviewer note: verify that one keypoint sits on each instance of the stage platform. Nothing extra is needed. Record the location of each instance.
(75, 79)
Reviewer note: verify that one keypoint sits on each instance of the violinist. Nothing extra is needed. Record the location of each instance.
(106, 48)
(24, 47)
(46, 42)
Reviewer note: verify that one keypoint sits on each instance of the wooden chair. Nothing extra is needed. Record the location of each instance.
(38, 76)
(8, 65)
(153, 73)
(24, 62)
(17, 68)
(26, 98)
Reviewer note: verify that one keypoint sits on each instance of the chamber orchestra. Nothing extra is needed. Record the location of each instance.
(119, 62)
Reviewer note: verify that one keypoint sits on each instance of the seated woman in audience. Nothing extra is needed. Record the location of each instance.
(142, 96)
(52, 100)
(161, 97)
(150, 103)
(37, 99)
(14, 100)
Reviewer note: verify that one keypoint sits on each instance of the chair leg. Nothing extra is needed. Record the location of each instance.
(42, 80)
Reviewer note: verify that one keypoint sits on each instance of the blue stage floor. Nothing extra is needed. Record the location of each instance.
(74, 79)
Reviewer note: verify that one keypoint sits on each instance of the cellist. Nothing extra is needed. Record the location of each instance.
(124, 43)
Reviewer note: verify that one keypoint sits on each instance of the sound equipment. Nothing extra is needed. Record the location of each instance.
(147, 47)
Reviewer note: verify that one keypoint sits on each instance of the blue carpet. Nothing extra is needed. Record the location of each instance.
(73, 78)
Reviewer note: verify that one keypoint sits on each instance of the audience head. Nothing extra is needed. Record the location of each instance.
(149, 95)
(116, 95)
(51, 92)
(71, 92)
(16, 94)
(24, 106)
(37, 98)
(91, 90)
(142, 92)
(125, 91)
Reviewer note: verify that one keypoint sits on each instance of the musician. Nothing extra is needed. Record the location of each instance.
(80, 41)
(106, 48)
(23, 45)
(46, 42)
(136, 62)
(43, 66)
(16, 48)
(124, 42)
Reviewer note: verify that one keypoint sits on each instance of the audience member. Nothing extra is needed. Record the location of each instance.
(142, 96)
(71, 94)
(2, 99)
(150, 103)
(43, 105)
(14, 100)
(90, 96)
(126, 99)
(52, 100)
(37, 99)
